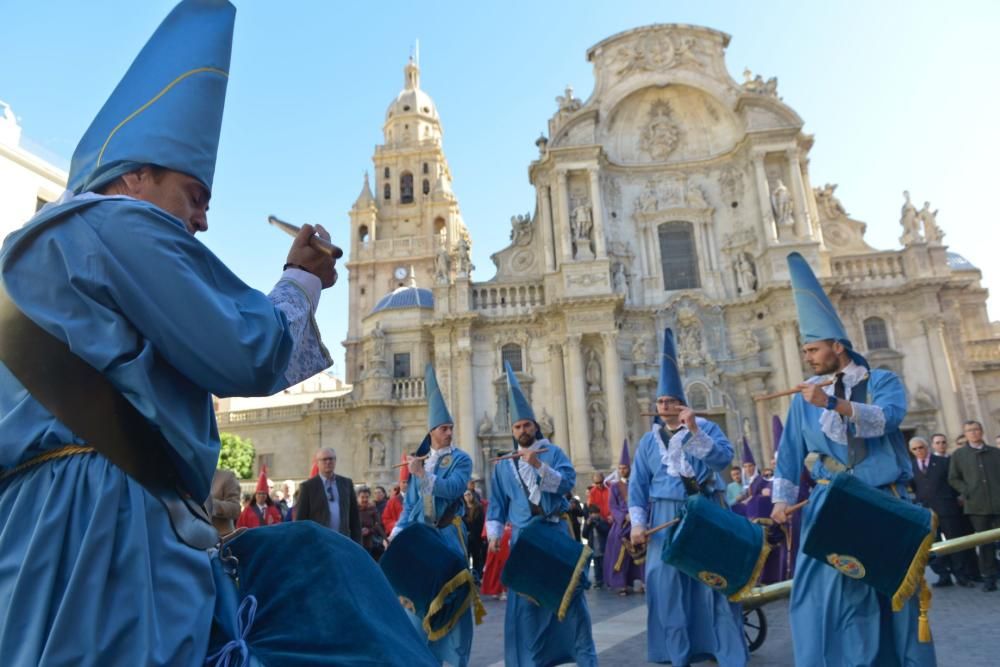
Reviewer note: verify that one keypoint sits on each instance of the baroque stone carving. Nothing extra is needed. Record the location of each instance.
(378, 347)
(547, 425)
(757, 84)
(661, 135)
(749, 345)
(376, 451)
(597, 424)
(731, 182)
(932, 233)
(654, 53)
(829, 206)
(568, 103)
(485, 425)
(746, 273)
(781, 205)
(442, 266)
(695, 197)
(592, 372)
(521, 229)
(619, 279)
(465, 266)
(587, 279)
(689, 338)
(582, 230)
(909, 221)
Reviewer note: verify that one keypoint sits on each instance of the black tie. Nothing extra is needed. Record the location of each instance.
(838, 387)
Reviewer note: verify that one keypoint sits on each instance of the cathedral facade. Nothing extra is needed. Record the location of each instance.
(670, 197)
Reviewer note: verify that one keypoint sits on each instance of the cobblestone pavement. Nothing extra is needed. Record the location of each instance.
(965, 623)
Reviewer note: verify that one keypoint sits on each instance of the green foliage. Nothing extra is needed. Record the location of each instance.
(237, 455)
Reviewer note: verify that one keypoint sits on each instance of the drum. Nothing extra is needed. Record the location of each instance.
(545, 565)
(716, 546)
(871, 536)
(432, 580)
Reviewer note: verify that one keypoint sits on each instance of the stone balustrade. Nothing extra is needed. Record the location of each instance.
(404, 389)
(507, 299)
(881, 266)
(406, 248)
(336, 403)
(282, 413)
(987, 350)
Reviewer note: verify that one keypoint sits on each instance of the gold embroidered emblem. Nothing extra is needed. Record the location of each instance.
(847, 565)
(713, 580)
(446, 460)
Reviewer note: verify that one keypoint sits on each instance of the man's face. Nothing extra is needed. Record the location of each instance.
(441, 436)
(940, 445)
(973, 432)
(363, 498)
(734, 475)
(327, 462)
(379, 495)
(178, 194)
(667, 407)
(749, 469)
(403, 485)
(624, 471)
(261, 497)
(524, 432)
(823, 356)
(919, 450)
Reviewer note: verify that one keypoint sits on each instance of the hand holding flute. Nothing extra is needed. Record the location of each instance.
(311, 250)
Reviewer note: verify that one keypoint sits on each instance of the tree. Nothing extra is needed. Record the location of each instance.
(237, 455)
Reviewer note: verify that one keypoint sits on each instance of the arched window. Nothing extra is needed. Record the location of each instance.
(387, 192)
(678, 256)
(876, 334)
(386, 172)
(406, 188)
(511, 354)
(363, 233)
(427, 187)
(697, 397)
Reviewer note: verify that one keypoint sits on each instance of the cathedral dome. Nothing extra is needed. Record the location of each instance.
(405, 297)
(411, 100)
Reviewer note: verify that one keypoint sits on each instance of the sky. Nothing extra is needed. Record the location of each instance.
(899, 95)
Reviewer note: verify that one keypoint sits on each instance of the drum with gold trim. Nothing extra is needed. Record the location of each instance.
(716, 546)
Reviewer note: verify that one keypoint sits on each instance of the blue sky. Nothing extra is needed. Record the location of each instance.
(900, 95)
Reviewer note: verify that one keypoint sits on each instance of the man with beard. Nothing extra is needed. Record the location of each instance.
(531, 488)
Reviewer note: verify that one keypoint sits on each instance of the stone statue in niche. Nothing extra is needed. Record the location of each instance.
(909, 221)
(781, 205)
(661, 135)
(640, 351)
(442, 266)
(376, 452)
(581, 231)
(619, 280)
(593, 372)
(746, 273)
(829, 206)
(545, 423)
(749, 345)
(485, 425)
(689, 338)
(932, 233)
(378, 345)
(465, 266)
(597, 422)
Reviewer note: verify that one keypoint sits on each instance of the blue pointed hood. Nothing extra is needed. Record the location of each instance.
(167, 109)
(670, 375)
(817, 318)
(437, 409)
(518, 404)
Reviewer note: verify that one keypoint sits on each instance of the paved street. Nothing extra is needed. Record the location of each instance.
(965, 623)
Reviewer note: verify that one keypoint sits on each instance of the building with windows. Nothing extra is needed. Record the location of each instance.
(670, 197)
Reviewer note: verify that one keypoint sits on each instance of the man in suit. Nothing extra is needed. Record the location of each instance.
(329, 499)
(931, 488)
(974, 471)
(939, 445)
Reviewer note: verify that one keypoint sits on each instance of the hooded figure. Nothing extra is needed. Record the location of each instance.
(262, 511)
(438, 476)
(679, 456)
(530, 490)
(623, 561)
(114, 272)
(850, 425)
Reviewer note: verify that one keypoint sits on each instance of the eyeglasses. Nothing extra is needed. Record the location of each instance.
(667, 401)
(327, 459)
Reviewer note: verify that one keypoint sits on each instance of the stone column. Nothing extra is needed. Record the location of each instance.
(615, 392)
(545, 204)
(790, 346)
(947, 388)
(576, 406)
(467, 436)
(767, 447)
(798, 195)
(764, 195)
(561, 226)
(559, 398)
(597, 207)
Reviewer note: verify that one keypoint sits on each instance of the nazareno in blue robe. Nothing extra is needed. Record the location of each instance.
(836, 620)
(687, 621)
(450, 483)
(90, 569)
(532, 634)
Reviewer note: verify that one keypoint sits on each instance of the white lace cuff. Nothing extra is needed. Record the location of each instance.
(784, 491)
(638, 516)
(309, 283)
(494, 530)
(869, 420)
(832, 425)
(309, 356)
(698, 445)
(549, 479)
(427, 484)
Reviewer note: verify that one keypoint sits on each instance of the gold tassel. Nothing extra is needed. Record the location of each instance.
(765, 549)
(573, 581)
(915, 573)
(924, 623)
(621, 558)
(478, 610)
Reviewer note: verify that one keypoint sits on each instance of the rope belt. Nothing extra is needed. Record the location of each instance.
(52, 454)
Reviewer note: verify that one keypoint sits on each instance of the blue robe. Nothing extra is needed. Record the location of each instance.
(836, 620)
(687, 620)
(533, 636)
(450, 483)
(90, 569)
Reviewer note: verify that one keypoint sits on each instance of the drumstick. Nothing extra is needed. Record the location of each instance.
(316, 241)
(789, 392)
(662, 526)
(413, 458)
(515, 455)
(796, 507)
